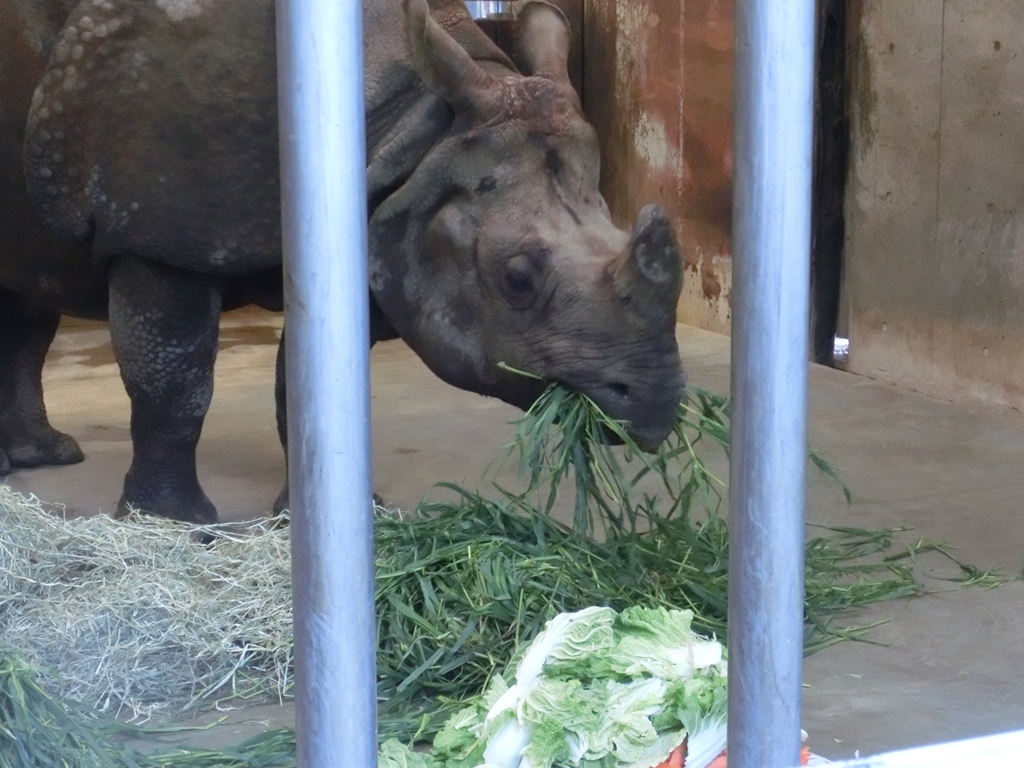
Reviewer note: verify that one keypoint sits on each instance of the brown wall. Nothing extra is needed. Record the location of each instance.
(658, 88)
(935, 199)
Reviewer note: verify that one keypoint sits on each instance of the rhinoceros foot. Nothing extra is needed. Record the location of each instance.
(188, 505)
(282, 502)
(43, 447)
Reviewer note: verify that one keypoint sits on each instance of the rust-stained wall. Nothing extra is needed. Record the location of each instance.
(658, 88)
(935, 199)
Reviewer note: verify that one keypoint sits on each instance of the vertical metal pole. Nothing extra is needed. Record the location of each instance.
(323, 185)
(771, 231)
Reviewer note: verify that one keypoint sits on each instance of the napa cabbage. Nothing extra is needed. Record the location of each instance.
(598, 689)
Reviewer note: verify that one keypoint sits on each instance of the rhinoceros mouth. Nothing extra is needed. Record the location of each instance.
(649, 419)
(647, 424)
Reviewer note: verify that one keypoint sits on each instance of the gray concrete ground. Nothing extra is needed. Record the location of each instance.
(946, 666)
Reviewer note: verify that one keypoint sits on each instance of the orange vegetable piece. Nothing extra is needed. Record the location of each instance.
(675, 760)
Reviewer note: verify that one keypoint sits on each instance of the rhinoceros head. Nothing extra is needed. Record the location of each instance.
(499, 247)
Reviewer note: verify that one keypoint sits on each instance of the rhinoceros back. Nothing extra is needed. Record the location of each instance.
(154, 131)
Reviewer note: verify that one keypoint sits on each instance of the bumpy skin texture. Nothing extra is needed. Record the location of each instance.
(139, 180)
(163, 323)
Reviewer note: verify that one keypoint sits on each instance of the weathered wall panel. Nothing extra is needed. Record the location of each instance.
(658, 88)
(936, 235)
(893, 191)
(708, 63)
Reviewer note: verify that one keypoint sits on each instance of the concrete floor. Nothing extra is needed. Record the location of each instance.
(946, 666)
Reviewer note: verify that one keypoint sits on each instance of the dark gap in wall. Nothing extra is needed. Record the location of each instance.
(831, 148)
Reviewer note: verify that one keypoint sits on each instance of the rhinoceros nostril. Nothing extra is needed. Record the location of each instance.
(619, 390)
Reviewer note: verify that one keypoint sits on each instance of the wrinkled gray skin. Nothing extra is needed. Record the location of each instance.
(150, 160)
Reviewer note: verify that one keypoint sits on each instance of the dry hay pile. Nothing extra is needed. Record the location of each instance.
(134, 616)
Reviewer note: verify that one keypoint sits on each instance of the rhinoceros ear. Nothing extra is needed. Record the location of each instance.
(445, 67)
(544, 41)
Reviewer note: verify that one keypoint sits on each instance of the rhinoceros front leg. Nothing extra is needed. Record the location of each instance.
(26, 437)
(164, 325)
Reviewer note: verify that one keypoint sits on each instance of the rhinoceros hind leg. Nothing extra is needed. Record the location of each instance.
(26, 437)
(281, 401)
(281, 405)
(164, 324)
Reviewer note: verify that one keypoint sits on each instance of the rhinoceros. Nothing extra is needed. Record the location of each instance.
(139, 182)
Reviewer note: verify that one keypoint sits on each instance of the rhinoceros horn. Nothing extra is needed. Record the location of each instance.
(445, 67)
(543, 41)
(650, 272)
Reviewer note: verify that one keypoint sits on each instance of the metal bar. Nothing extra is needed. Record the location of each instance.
(323, 185)
(771, 231)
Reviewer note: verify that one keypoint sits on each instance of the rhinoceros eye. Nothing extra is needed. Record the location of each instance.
(520, 277)
(518, 281)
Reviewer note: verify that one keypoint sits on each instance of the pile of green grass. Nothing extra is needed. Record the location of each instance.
(459, 584)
